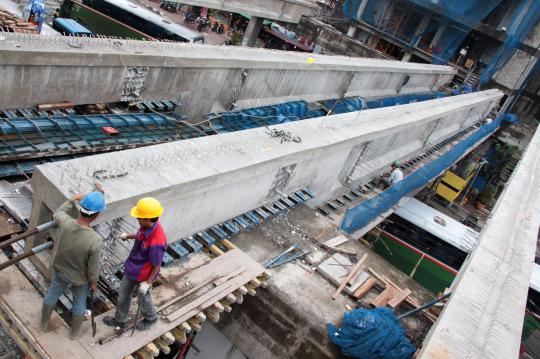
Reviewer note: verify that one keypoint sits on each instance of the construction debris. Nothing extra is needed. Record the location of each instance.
(353, 274)
(286, 257)
(284, 136)
(13, 23)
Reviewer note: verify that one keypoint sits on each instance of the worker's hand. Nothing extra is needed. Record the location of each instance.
(99, 187)
(144, 287)
(78, 197)
(93, 287)
(125, 236)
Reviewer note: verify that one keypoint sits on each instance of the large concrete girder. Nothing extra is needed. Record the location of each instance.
(204, 78)
(484, 315)
(281, 10)
(204, 181)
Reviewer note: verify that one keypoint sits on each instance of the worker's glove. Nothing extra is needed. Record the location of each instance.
(124, 236)
(144, 287)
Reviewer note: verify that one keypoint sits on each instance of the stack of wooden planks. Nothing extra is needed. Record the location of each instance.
(10, 22)
(391, 295)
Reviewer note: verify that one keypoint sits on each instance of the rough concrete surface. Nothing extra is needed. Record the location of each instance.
(484, 315)
(204, 181)
(288, 318)
(332, 41)
(202, 77)
(511, 74)
(281, 10)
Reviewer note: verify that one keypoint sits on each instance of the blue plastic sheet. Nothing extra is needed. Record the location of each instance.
(371, 334)
(455, 20)
(523, 21)
(359, 216)
(299, 110)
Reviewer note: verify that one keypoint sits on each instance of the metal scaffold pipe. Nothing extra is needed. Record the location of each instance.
(33, 251)
(39, 229)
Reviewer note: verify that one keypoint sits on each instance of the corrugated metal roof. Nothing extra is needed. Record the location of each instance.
(439, 224)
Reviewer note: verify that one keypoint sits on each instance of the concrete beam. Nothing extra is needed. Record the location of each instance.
(204, 181)
(204, 78)
(281, 10)
(484, 315)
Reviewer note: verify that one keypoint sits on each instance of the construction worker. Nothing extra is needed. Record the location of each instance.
(142, 265)
(395, 176)
(76, 262)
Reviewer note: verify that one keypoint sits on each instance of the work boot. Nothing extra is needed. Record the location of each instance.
(112, 322)
(46, 312)
(145, 324)
(76, 327)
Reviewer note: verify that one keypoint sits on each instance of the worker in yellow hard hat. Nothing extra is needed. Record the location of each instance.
(142, 265)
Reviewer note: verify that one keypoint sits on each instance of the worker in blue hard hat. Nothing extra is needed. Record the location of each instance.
(76, 262)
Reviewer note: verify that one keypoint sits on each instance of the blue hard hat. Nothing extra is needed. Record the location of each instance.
(93, 202)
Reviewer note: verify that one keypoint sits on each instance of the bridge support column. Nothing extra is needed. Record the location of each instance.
(252, 31)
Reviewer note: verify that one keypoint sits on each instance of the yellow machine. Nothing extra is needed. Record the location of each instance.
(451, 185)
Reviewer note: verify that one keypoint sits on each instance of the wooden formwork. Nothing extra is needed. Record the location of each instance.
(190, 294)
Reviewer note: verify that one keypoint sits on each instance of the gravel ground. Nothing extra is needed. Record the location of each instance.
(8, 347)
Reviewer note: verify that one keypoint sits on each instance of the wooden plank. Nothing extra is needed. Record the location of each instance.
(384, 297)
(336, 241)
(199, 303)
(339, 250)
(226, 263)
(398, 299)
(354, 272)
(365, 287)
(375, 274)
(217, 283)
(192, 290)
(55, 106)
(24, 301)
(411, 301)
(229, 276)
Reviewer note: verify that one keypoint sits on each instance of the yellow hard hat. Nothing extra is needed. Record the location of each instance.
(147, 207)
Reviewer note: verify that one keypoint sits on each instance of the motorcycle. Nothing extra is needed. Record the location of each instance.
(217, 28)
(190, 17)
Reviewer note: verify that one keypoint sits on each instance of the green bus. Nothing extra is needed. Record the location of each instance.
(426, 244)
(122, 18)
(430, 247)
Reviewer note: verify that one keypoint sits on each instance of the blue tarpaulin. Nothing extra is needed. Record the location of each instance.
(371, 334)
(359, 216)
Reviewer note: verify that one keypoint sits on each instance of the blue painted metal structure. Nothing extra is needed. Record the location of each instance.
(455, 19)
(300, 110)
(361, 215)
(26, 142)
(29, 141)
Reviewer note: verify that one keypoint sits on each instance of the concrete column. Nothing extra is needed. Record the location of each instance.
(372, 41)
(361, 9)
(421, 29)
(406, 57)
(438, 34)
(252, 31)
(352, 31)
